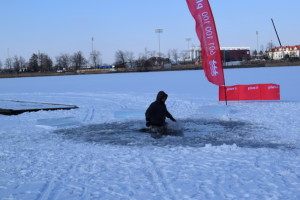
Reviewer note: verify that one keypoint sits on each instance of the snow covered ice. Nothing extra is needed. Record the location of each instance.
(246, 150)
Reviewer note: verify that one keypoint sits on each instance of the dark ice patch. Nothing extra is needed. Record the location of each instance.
(189, 132)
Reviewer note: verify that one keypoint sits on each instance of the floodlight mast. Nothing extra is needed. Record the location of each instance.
(159, 31)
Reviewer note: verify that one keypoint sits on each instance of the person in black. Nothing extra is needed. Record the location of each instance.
(157, 112)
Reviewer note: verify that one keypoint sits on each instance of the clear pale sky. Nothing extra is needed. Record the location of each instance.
(67, 26)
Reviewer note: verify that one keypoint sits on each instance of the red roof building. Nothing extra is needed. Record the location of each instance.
(279, 53)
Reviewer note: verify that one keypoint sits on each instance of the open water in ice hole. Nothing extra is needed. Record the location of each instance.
(189, 132)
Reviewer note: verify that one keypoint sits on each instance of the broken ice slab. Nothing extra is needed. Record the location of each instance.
(13, 107)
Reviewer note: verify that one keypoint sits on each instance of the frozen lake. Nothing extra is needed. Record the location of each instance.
(246, 150)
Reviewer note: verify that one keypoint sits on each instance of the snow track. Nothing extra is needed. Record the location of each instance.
(158, 179)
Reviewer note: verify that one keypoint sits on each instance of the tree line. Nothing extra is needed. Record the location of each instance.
(41, 62)
(149, 58)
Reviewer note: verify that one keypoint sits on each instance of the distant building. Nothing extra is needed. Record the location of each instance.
(229, 53)
(279, 53)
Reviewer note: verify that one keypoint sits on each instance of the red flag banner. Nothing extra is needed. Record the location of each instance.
(207, 34)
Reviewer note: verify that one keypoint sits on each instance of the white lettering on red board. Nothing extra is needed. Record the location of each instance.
(272, 87)
(229, 89)
(253, 88)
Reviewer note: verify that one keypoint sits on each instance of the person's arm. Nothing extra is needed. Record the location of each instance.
(168, 115)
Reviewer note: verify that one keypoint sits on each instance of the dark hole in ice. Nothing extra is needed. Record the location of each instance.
(188, 132)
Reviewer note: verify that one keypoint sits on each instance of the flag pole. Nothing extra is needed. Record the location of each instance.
(225, 89)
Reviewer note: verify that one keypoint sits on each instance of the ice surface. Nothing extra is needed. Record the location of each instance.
(246, 150)
(58, 122)
(129, 114)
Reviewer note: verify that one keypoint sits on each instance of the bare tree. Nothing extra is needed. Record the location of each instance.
(254, 53)
(270, 46)
(95, 58)
(161, 55)
(130, 57)
(23, 63)
(141, 62)
(8, 64)
(16, 64)
(46, 62)
(146, 55)
(19, 64)
(175, 55)
(0, 65)
(63, 61)
(169, 54)
(34, 63)
(121, 59)
(39, 62)
(78, 60)
(152, 53)
(262, 48)
(184, 55)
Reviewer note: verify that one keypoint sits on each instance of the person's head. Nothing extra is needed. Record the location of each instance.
(161, 96)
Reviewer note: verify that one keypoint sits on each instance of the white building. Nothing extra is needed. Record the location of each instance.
(279, 53)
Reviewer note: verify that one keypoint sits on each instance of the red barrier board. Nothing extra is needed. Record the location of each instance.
(270, 92)
(249, 92)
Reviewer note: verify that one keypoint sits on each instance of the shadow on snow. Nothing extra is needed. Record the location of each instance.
(189, 132)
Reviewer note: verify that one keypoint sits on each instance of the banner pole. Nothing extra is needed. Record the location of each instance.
(223, 61)
(225, 94)
(224, 78)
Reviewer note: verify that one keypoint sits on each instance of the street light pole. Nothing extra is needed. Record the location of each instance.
(92, 44)
(257, 39)
(158, 31)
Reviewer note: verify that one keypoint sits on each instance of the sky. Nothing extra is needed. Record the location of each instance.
(56, 27)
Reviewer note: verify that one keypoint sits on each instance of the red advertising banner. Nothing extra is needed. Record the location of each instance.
(249, 92)
(207, 34)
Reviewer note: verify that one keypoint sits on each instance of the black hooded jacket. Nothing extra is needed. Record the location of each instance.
(157, 112)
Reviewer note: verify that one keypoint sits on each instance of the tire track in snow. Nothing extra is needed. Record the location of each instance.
(158, 179)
